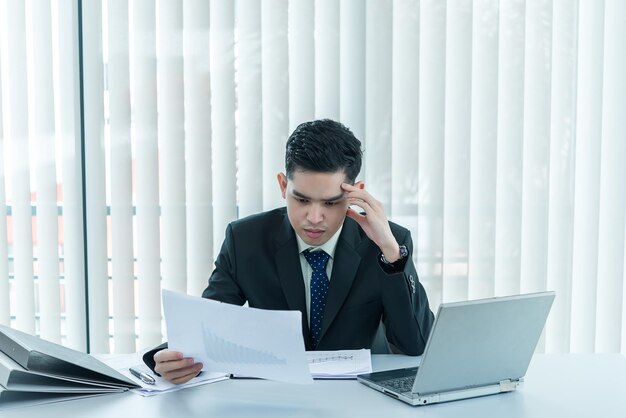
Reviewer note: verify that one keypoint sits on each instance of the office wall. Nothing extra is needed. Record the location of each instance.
(131, 133)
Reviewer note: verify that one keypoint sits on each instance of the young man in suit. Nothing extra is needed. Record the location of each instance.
(345, 271)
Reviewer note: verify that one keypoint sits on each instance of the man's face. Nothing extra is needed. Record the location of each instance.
(316, 205)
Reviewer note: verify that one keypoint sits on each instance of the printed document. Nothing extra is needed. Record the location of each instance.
(236, 339)
(342, 364)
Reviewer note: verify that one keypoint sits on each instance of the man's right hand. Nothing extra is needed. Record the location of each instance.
(174, 367)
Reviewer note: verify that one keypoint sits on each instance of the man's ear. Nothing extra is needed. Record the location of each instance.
(282, 183)
(360, 185)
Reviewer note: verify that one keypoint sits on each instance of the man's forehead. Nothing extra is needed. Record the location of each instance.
(317, 186)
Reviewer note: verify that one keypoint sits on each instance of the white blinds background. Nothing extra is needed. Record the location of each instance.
(42, 268)
(494, 130)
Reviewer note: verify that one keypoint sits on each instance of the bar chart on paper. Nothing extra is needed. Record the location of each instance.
(222, 351)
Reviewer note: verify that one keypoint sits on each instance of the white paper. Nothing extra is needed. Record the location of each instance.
(236, 339)
(122, 362)
(342, 364)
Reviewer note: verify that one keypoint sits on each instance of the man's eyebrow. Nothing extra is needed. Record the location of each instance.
(302, 196)
(332, 199)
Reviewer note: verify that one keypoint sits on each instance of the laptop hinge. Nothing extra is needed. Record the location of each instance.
(509, 385)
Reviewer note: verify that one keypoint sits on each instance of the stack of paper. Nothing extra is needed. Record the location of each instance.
(33, 370)
(343, 364)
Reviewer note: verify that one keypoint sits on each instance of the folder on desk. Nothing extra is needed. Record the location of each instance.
(35, 369)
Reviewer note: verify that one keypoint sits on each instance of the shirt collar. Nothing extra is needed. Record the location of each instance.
(329, 246)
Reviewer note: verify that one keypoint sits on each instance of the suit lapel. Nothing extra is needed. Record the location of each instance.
(345, 265)
(289, 270)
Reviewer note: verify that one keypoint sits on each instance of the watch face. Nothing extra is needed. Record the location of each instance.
(404, 252)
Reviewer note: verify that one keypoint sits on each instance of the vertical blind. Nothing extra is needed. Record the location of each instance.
(131, 133)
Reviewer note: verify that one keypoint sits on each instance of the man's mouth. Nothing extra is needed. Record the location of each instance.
(313, 233)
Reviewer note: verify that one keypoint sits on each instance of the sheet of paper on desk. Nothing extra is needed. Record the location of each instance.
(122, 362)
(236, 339)
(342, 364)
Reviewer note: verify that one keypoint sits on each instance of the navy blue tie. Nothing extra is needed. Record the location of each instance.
(319, 289)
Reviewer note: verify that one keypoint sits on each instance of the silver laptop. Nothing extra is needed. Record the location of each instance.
(476, 348)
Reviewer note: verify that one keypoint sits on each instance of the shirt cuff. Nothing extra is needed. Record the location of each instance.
(392, 268)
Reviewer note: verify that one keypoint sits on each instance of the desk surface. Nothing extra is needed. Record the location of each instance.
(568, 385)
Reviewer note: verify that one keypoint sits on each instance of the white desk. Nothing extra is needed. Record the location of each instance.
(575, 385)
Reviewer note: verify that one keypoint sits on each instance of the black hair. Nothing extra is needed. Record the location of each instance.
(323, 146)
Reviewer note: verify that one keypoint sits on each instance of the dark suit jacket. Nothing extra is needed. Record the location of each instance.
(259, 263)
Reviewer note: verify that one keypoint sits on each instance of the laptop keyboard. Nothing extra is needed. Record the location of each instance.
(400, 385)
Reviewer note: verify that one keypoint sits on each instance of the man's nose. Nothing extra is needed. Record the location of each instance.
(316, 214)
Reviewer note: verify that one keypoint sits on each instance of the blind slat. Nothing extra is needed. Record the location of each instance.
(432, 58)
(326, 59)
(509, 151)
(223, 92)
(352, 66)
(377, 158)
(562, 145)
(535, 151)
(456, 149)
(275, 88)
(405, 107)
(250, 128)
(483, 153)
(612, 211)
(43, 133)
(587, 177)
(144, 102)
(120, 172)
(302, 62)
(198, 148)
(171, 134)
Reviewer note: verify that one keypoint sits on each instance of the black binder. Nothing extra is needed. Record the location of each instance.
(33, 370)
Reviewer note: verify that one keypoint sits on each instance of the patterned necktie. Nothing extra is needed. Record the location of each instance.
(319, 289)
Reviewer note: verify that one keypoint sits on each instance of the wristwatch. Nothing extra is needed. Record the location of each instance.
(404, 253)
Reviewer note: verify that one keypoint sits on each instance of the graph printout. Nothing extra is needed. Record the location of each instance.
(235, 339)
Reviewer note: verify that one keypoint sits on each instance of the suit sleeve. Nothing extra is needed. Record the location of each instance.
(223, 281)
(148, 357)
(407, 315)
